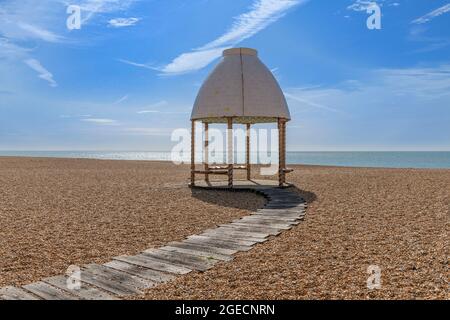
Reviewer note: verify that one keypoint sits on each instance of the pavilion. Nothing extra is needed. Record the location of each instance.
(240, 90)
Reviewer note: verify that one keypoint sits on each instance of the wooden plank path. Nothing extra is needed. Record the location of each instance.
(132, 275)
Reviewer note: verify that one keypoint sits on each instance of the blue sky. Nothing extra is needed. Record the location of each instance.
(130, 75)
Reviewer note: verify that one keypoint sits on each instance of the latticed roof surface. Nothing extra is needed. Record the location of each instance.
(242, 87)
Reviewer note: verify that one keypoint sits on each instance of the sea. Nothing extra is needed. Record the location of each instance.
(376, 159)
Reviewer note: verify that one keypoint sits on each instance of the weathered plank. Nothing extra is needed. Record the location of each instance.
(48, 292)
(150, 274)
(121, 277)
(268, 229)
(246, 228)
(279, 219)
(218, 243)
(271, 205)
(182, 259)
(202, 247)
(14, 293)
(154, 264)
(228, 231)
(282, 213)
(245, 243)
(290, 204)
(198, 252)
(228, 236)
(269, 222)
(225, 237)
(275, 217)
(264, 223)
(86, 292)
(106, 284)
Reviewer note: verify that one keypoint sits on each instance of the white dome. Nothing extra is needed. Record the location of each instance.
(242, 87)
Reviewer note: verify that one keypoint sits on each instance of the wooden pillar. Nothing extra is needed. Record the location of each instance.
(281, 151)
(248, 152)
(193, 153)
(230, 155)
(206, 152)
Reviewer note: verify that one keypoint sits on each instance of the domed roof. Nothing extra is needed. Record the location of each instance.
(242, 87)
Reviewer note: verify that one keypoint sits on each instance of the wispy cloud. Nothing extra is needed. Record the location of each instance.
(151, 108)
(123, 22)
(191, 61)
(149, 131)
(94, 7)
(433, 14)
(25, 20)
(101, 121)
(424, 83)
(361, 5)
(162, 112)
(42, 72)
(40, 33)
(124, 98)
(385, 109)
(419, 86)
(262, 13)
(9, 50)
(136, 64)
(299, 97)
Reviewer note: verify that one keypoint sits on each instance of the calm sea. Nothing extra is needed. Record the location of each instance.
(348, 159)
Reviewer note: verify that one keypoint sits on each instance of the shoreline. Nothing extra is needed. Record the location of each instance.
(198, 163)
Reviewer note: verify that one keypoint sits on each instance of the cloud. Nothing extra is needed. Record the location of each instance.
(433, 14)
(154, 106)
(192, 61)
(9, 50)
(152, 109)
(361, 5)
(125, 97)
(420, 86)
(24, 20)
(40, 33)
(104, 6)
(150, 131)
(94, 7)
(298, 97)
(424, 83)
(65, 116)
(162, 112)
(383, 110)
(42, 72)
(101, 121)
(136, 64)
(262, 13)
(123, 22)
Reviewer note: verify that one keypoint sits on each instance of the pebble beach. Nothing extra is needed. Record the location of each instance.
(59, 212)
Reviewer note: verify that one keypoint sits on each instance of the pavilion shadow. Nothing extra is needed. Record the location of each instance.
(215, 197)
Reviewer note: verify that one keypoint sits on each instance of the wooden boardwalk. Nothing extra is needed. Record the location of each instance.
(132, 275)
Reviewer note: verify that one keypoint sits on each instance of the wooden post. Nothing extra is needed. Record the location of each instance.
(193, 153)
(284, 150)
(281, 151)
(248, 152)
(206, 152)
(230, 155)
